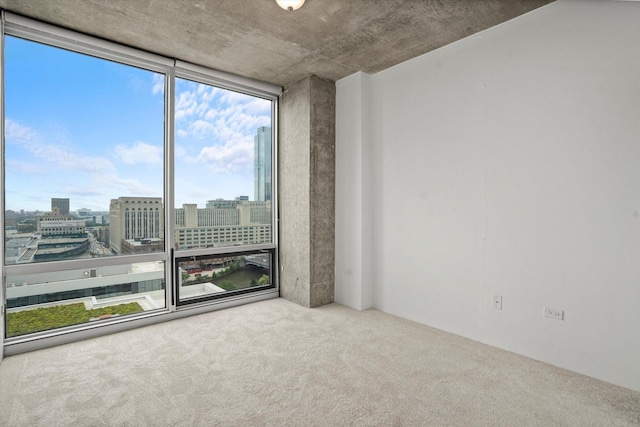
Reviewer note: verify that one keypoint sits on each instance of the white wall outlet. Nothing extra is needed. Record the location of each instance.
(553, 313)
(497, 302)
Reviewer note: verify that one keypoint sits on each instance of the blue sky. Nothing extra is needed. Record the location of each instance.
(93, 130)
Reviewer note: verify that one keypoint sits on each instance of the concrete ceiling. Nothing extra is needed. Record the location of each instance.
(255, 38)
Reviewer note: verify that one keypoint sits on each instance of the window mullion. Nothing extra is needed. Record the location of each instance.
(170, 216)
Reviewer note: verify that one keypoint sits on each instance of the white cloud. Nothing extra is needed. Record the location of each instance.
(55, 151)
(119, 186)
(185, 105)
(258, 106)
(231, 157)
(140, 152)
(66, 158)
(210, 95)
(200, 129)
(136, 188)
(157, 84)
(22, 167)
(15, 132)
(204, 111)
(226, 122)
(92, 178)
(179, 151)
(230, 97)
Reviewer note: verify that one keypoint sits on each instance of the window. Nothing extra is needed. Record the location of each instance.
(66, 120)
(210, 277)
(42, 301)
(132, 183)
(223, 158)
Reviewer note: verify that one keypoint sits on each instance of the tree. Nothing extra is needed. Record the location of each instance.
(263, 280)
(227, 285)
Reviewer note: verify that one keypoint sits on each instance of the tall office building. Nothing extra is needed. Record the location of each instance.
(61, 204)
(135, 218)
(247, 222)
(262, 164)
(54, 216)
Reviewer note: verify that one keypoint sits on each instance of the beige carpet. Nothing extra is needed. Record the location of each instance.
(277, 364)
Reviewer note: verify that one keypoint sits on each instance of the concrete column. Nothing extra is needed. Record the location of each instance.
(306, 174)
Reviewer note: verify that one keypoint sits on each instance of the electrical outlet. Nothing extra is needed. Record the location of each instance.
(497, 302)
(553, 313)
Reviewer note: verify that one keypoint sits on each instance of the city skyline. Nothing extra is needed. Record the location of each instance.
(57, 147)
(205, 204)
(137, 225)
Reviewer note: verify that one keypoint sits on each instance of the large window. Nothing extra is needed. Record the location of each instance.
(222, 167)
(84, 151)
(132, 183)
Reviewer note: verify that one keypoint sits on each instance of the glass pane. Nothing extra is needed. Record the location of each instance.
(44, 301)
(84, 156)
(203, 276)
(222, 167)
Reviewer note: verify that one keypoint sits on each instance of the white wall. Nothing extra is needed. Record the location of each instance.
(508, 164)
(354, 213)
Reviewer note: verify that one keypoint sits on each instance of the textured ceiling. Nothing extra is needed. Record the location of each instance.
(255, 38)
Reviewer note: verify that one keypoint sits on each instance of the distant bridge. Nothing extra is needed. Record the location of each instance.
(261, 261)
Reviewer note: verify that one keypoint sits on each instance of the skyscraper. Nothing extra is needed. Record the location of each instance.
(135, 218)
(262, 164)
(61, 204)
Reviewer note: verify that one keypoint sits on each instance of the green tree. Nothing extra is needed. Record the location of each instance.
(263, 280)
(227, 285)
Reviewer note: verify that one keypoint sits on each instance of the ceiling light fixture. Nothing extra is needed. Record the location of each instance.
(290, 5)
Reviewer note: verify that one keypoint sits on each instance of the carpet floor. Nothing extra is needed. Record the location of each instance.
(274, 363)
